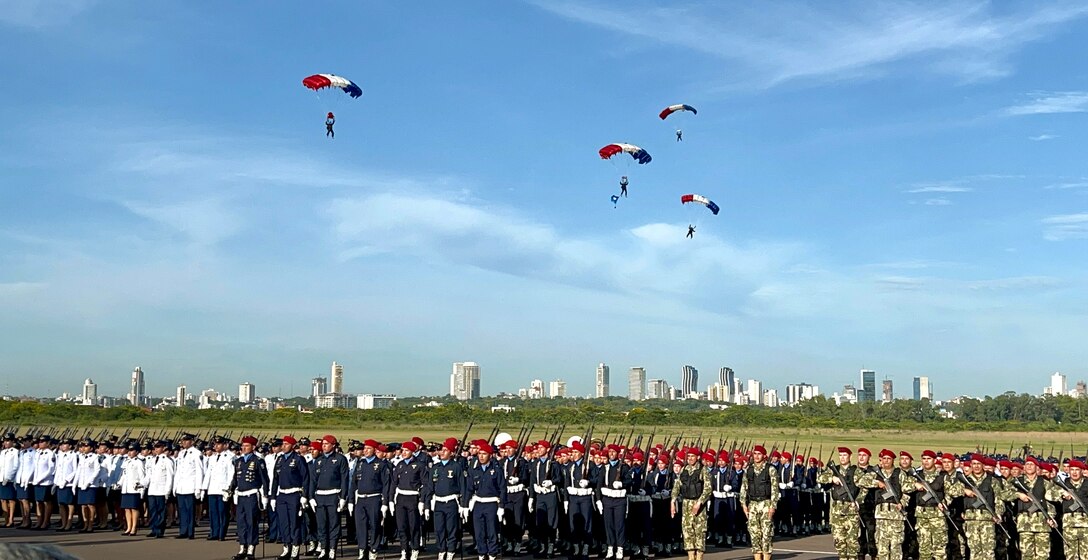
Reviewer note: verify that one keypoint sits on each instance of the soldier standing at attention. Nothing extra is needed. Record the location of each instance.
(1074, 494)
(545, 476)
(1032, 522)
(845, 479)
(407, 506)
(486, 492)
(692, 490)
(930, 509)
(188, 485)
(250, 480)
(612, 501)
(445, 490)
(758, 496)
(579, 478)
(288, 491)
(983, 494)
(892, 485)
(328, 495)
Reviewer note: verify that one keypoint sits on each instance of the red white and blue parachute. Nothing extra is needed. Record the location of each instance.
(320, 81)
(676, 108)
(698, 198)
(640, 155)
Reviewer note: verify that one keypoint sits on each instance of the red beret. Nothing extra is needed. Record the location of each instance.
(786, 455)
(989, 461)
(329, 438)
(759, 449)
(409, 445)
(977, 457)
(1006, 464)
(509, 444)
(692, 451)
(708, 456)
(250, 440)
(289, 439)
(450, 444)
(544, 443)
(723, 456)
(813, 460)
(775, 454)
(845, 450)
(906, 454)
(485, 448)
(948, 457)
(638, 457)
(371, 443)
(578, 446)
(929, 453)
(865, 451)
(418, 441)
(663, 457)
(382, 448)
(563, 452)
(1075, 464)
(887, 453)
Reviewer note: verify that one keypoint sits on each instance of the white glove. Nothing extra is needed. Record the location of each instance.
(511, 480)
(236, 499)
(273, 504)
(200, 495)
(385, 510)
(530, 504)
(600, 507)
(641, 492)
(547, 484)
(617, 485)
(464, 514)
(264, 504)
(565, 506)
(340, 505)
(502, 512)
(226, 497)
(420, 507)
(313, 504)
(781, 485)
(583, 483)
(789, 484)
(727, 488)
(427, 514)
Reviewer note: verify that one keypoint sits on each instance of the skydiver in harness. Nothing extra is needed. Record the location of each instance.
(329, 121)
(691, 231)
(623, 186)
(679, 135)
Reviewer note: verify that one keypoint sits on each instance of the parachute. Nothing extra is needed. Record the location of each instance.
(701, 200)
(640, 155)
(676, 108)
(321, 81)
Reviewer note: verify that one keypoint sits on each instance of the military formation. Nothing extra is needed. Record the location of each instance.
(504, 495)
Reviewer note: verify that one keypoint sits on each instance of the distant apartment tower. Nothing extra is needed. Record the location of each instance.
(465, 381)
(602, 380)
(536, 389)
(755, 391)
(868, 386)
(1080, 390)
(136, 395)
(334, 400)
(717, 392)
(658, 389)
(1057, 384)
(337, 374)
(636, 384)
(689, 381)
(922, 388)
(798, 392)
(180, 395)
(727, 377)
(370, 402)
(247, 392)
(557, 389)
(770, 398)
(737, 396)
(886, 393)
(319, 386)
(90, 393)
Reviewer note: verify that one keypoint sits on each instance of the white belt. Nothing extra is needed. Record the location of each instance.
(290, 490)
(407, 492)
(248, 492)
(444, 499)
(515, 489)
(542, 490)
(636, 498)
(491, 500)
(613, 493)
(360, 495)
(724, 495)
(328, 492)
(572, 491)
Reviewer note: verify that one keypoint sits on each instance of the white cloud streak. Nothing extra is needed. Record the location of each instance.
(1066, 226)
(1042, 137)
(940, 189)
(1046, 103)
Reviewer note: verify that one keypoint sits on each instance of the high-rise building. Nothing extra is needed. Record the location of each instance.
(1080, 390)
(465, 381)
(755, 391)
(737, 396)
(319, 386)
(557, 389)
(770, 397)
(536, 389)
(90, 393)
(798, 392)
(922, 388)
(886, 393)
(602, 380)
(636, 384)
(369, 402)
(136, 395)
(658, 389)
(717, 392)
(246, 392)
(727, 377)
(337, 374)
(1057, 384)
(180, 396)
(689, 381)
(335, 400)
(868, 386)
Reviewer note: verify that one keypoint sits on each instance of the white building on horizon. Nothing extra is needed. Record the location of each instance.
(718, 393)
(636, 383)
(798, 392)
(536, 389)
(659, 389)
(755, 391)
(465, 381)
(922, 388)
(557, 389)
(689, 381)
(319, 386)
(180, 395)
(1058, 384)
(770, 398)
(247, 392)
(136, 394)
(370, 402)
(727, 377)
(90, 393)
(336, 372)
(602, 380)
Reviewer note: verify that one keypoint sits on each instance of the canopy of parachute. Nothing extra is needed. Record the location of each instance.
(698, 198)
(640, 155)
(676, 108)
(320, 81)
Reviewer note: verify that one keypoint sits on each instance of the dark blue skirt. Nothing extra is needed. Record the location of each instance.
(66, 496)
(41, 493)
(7, 491)
(130, 501)
(24, 493)
(87, 496)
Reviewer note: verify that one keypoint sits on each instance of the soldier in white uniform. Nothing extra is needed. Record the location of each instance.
(188, 485)
(160, 485)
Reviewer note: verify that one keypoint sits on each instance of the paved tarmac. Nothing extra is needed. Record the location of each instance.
(110, 545)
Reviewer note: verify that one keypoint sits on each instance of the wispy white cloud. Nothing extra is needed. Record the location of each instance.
(779, 42)
(1068, 185)
(940, 189)
(1042, 137)
(1044, 103)
(1066, 226)
(204, 222)
(41, 13)
(937, 202)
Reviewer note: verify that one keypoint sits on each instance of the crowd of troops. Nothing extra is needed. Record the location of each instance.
(585, 497)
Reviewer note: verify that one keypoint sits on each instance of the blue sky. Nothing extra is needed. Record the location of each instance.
(903, 188)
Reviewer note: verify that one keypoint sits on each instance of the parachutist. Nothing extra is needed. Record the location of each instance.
(623, 186)
(329, 121)
(691, 231)
(679, 135)
(615, 200)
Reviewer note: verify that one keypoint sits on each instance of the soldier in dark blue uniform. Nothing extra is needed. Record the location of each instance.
(288, 492)
(444, 489)
(368, 491)
(723, 503)
(611, 494)
(407, 505)
(328, 496)
(486, 493)
(250, 480)
(545, 478)
(516, 473)
(659, 483)
(579, 479)
(638, 526)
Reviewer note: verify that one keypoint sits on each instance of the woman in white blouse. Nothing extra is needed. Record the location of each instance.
(133, 484)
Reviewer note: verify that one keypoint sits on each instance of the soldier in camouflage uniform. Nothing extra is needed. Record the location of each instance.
(1074, 501)
(1032, 521)
(758, 496)
(691, 491)
(845, 479)
(983, 494)
(931, 508)
(893, 488)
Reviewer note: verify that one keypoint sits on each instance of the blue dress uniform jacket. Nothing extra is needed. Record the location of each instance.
(445, 490)
(406, 489)
(368, 490)
(516, 471)
(328, 487)
(250, 480)
(579, 481)
(613, 484)
(486, 494)
(545, 483)
(290, 489)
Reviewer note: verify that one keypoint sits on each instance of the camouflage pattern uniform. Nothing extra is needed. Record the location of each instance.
(891, 502)
(760, 526)
(977, 521)
(845, 529)
(1030, 520)
(693, 488)
(1075, 520)
(932, 526)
